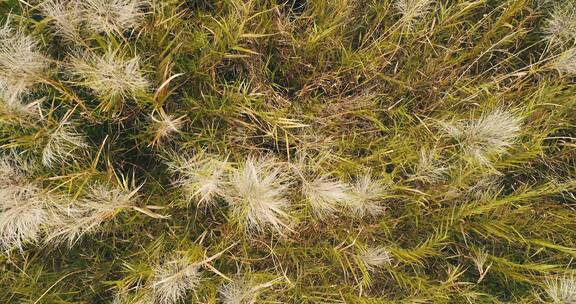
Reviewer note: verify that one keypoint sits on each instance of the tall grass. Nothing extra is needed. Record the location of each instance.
(296, 151)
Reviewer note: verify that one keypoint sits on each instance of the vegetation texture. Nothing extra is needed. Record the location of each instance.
(287, 151)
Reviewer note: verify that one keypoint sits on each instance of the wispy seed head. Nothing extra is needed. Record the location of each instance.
(65, 17)
(566, 62)
(202, 178)
(242, 291)
(11, 102)
(491, 134)
(560, 27)
(87, 214)
(173, 279)
(164, 125)
(110, 76)
(366, 193)
(561, 290)
(23, 210)
(375, 257)
(61, 144)
(114, 16)
(257, 195)
(429, 169)
(412, 10)
(326, 195)
(20, 61)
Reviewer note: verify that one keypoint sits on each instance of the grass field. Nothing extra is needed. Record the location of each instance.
(287, 151)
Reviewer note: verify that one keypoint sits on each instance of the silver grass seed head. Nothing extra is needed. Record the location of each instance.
(65, 16)
(366, 196)
(560, 27)
(24, 207)
(202, 177)
(113, 16)
(412, 10)
(173, 279)
(86, 215)
(62, 143)
(257, 195)
(561, 290)
(111, 77)
(22, 216)
(429, 169)
(566, 62)
(165, 125)
(326, 195)
(491, 134)
(242, 291)
(20, 60)
(20, 211)
(375, 257)
(12, 103)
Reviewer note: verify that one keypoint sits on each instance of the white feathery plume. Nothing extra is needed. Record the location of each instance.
(23, 207)
(491, 134)
(11, 99)
(566, 62)
(87, 214)
(165, 125)
(202, 178)
(242, 291)
(11, 102)
(429, 169)
(20, 61)
(326, 195)
(111, 77)
(375, 257)
(366, 193)
(480, 259)
(65, 17)
(561, 290)
(560, 27)
(22, 215)
(61, 144)
(486, 188)
(113, 16)
(412, 10)
(173, 279)
(257, 195)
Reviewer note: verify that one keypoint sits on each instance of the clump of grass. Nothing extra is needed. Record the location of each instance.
(402, 151)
